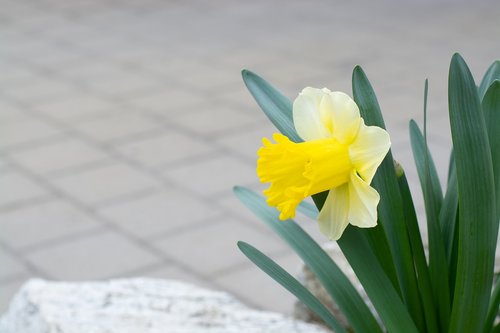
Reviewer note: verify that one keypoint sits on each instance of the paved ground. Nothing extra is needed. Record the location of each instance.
(124, 124)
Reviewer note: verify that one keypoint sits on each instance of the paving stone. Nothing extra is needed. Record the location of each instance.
(42, 223)
(4, 166)
(224, 173)
(256, 288)
(105, 183)
(8, 290)
(16, 74)
(248, 142)
(211, 248)
(132, 54)
(25, 130)
(240, 98)
(208, 78)
(234, 206)
(171, 102)
(26, 46)
(75, 108)
(57, 57)
(92, 70)
(169, 147)
(159, 213)
(116, 126)
(58, 156)
(16, 188)
(215, 119)
(40, 90)
(98, 256)
(165, 65)
(123, 85)
(10, 112)
(171, 271)
(11, 266)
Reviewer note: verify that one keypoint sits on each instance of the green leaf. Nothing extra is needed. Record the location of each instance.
(291, 284)
(420, 151)
(433, 197)
(275, 105)
(417, 248)
(492, 74)
(476, 192)
(493, 308)
(378, 287)
(448, 220)
(491, 109)
(390, 207)
(449, 212)
(331, 277)
(378, 242)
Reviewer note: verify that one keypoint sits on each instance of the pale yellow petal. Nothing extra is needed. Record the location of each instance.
(363, 201)
(306, 114)
(344, 117)
(315, 93)
(368, 150)
(333, 217)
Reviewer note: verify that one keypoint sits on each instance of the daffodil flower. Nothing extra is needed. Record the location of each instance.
(339, 153)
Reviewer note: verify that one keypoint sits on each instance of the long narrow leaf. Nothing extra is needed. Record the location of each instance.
(378, 243)
(448, 213)
(384, 297)
(493, 308)
(291, 284)
(492, 74)
(432, 190)
(424, 281)
(433, 197)
(491, 109)
(390, 209)
(419, 150)
(451, 165)
(448, 220)
(476, 200)
(320, 263)
(275, 105)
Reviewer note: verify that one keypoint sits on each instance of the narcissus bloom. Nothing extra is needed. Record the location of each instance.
(339, 153)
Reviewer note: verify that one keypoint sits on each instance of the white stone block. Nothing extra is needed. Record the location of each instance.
(137, 306)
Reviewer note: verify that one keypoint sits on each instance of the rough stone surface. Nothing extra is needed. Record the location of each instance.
(137, 306)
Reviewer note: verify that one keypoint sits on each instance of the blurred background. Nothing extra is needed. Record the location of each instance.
(125, 124)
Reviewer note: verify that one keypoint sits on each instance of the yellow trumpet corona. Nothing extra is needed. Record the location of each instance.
(340, 154)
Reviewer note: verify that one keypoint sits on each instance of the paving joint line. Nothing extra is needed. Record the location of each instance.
(136, 165)
(109, 225)
(32, 269)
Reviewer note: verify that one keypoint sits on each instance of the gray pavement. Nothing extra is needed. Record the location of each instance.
(125, 124)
